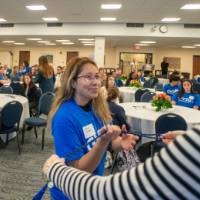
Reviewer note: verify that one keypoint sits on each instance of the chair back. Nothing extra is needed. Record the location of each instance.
(147, 96)
(6, 89)
(11, 114)
(38, 94)
(158, 86)
(45, 103)
(169, 122)
(150, 83)
(139, 93)
(17, 87)
(196, 87)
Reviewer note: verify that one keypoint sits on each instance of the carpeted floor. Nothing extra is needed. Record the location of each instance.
(21, 175)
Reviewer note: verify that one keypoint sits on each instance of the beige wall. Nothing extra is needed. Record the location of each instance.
(111, 55)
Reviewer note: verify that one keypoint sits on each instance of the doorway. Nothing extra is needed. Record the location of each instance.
(196, 65)
(71, 54)
(24, 56)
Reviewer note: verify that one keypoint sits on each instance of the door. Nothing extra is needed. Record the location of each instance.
(71, 54)
(24, 56)
(196, 65)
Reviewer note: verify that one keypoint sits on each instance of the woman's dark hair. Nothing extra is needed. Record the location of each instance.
(113, 93)
(31, 85)
(174, 77)
(182, 91)
(26, 63)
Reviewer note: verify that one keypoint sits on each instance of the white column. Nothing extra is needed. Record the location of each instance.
(99, 51)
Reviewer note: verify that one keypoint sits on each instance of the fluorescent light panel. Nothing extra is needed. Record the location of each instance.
(108, 19)
(142, 44)
(50, 19)
(62, 40)
(34, 39)
(2, 20)
(147, 42)
(88, 44)
(51, 44)
(188, 47)
(67, 43)
(111, 6)
(85, 39)
(43, 41)
(197, 45)
(8, 41)
(191, 7)
(170, 19)
(19, 43)
(36, 7)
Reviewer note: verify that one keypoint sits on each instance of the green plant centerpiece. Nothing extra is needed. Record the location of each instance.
(135, 84)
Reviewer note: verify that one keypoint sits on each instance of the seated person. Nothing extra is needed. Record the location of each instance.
(140, 75)
(14, 75)
(29, 90)
(186, 97)
(58, 76)
(118, 81)
(132, 76)
(3, 78)
(173, 86)
(117, 112)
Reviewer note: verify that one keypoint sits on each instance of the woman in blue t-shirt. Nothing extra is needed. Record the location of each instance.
(79, 113)
(173, 86)
(186, 97)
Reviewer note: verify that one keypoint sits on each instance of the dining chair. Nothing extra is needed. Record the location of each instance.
(6, 89)
(10, 116)
(147, 96)
(37, 121)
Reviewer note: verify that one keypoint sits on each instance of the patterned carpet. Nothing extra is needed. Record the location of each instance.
(21, 175)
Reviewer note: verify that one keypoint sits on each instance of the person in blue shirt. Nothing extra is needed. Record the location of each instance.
(45, 76)
(140, 75)
(3, 78)
(173, 86)
(26, 69)
(186, 97)
(118, 81)
(79, 114)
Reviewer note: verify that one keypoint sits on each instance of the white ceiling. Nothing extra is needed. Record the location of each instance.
(77, 11)
(114, 41)
(146, 11)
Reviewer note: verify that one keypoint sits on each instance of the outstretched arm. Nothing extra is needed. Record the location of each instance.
(173, 174)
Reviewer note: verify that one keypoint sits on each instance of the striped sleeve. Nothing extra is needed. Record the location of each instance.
(174, 173)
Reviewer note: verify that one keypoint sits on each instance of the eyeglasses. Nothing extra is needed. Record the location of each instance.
(90, 78)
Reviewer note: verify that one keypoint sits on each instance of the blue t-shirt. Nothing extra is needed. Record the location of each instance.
(187, 100)
(171, 90)
(1, 77)
(73, 127)
(26, 70)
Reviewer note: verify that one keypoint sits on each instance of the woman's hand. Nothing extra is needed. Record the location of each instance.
(128, 141)
(170, 136)
(52, 159)
(109, 133)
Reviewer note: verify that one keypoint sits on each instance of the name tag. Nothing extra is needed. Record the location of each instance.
(89, 131)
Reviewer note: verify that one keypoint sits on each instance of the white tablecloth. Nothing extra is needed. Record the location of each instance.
(5, 98)
(142, 117)
(128, 93)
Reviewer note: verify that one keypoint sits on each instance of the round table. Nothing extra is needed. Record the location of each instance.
(128, 93)
(142, 116)
(6, 98)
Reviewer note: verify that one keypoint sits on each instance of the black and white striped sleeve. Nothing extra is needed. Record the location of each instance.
(172, 174)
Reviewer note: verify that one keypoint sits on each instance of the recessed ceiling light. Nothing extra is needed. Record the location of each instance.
(86, 39)
(19, 43)
(8, 41)
(141, 44)
(190, 7)
(67, 43)
(43, 41)
(111, 6)
(62, 40)
(108, 19)
(34, 39)
(88, 44)
(50, 19)
(36, 7)
(188, 47)
(170, 19)
(2, 20)
(147, 42)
